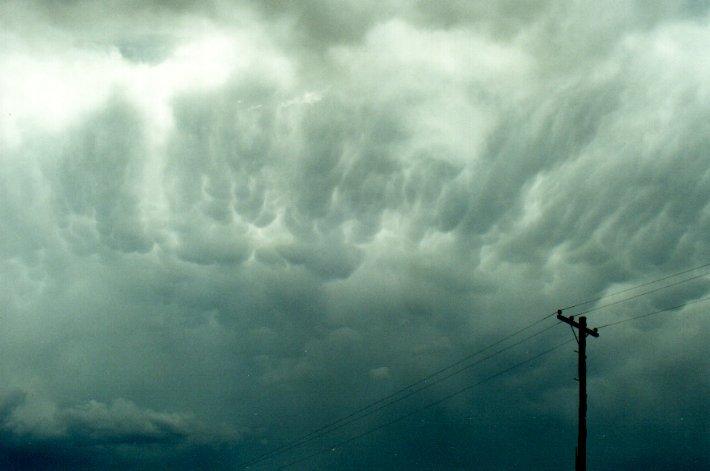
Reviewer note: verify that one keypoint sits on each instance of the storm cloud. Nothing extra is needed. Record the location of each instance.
(227, 224)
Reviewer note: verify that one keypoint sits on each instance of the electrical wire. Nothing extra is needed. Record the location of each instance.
(392, 398)
(397, 396)
(598, 308)
(433, 378)
(467, 388)
(649, 314)
(616, 293)
(425, 407)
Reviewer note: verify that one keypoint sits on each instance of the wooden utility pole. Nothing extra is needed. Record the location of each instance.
(581, 457)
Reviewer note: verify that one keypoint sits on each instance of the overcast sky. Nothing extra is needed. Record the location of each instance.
(225, 224)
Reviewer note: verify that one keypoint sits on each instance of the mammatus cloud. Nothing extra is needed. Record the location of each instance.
(227, 224)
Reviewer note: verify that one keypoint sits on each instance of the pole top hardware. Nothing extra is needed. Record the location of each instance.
(582, 328)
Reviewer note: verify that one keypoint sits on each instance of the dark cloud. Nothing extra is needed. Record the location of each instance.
(226, 224)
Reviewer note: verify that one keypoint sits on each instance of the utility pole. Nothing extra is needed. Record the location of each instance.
(581, 456)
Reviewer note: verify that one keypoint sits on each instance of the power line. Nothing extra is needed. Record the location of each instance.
(647, 292)
(434, 378)
(469, 387)
(668, 309)
(616, 293)
(425, 407)
(392, 398)
(395, 397)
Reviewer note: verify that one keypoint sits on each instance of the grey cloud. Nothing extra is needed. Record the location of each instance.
(10, 401)
(96, 434)
(95, 423)
(122, 422)
(331, 261)
(504, 18)
(96, 173)
(148, 48)
(370, 194)
(322, 25)
(220, 150)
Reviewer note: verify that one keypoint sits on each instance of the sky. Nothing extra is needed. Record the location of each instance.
(228, 224)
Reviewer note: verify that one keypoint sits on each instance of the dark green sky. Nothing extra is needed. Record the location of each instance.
(228, 223)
